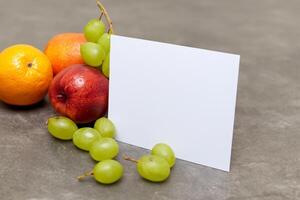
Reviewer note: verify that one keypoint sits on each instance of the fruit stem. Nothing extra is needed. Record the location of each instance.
(104, 12)
(129, 159)
(86, 174)
(101, 15)
(49, 118)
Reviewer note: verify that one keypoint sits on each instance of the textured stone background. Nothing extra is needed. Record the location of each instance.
(266, 146)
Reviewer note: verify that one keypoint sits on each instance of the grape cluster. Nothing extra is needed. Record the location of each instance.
(155, 167)
(100, 143)
(95, 52)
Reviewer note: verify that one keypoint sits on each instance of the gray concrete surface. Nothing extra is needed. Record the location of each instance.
(266, 146)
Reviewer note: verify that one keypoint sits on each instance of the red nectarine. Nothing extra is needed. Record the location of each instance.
(80, 92)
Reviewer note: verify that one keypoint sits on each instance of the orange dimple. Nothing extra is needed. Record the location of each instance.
(63, 50)
(25, 75)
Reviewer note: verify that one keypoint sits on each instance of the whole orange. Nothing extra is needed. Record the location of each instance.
(63, 50)
(25, 75)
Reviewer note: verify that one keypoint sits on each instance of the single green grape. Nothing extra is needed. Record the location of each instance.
(153, 168)
(83, 138)
(105, 127)
(61, 127)
(104, 40)
(105, 66)
(108, 171)
(104, 148)
(93, 54)
(164, 151)
(93, 30)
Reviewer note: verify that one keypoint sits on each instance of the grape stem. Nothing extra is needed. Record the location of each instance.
(129, 159)
(81, 177)
(49, 118)
(105, 13)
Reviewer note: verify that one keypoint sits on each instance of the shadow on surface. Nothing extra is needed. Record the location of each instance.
(43, 103)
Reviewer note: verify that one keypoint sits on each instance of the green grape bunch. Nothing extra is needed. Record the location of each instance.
(96, 51)
(155, 167)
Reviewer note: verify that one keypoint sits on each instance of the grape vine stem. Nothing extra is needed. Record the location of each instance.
(49, 118)
(129, 159)
(81, 177)
(105, 13)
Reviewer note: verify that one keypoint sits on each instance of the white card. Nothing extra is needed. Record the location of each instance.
(178, 95)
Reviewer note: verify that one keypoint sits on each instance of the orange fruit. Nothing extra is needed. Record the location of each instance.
(25, 75)
(63, 50)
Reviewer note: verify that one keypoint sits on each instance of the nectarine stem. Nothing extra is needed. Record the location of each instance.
(81, 177)
(104, 12)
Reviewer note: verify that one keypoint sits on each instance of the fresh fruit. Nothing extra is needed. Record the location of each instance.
(108, 171)
(104, 148)
(63, 50)
(153, 168)
(104, 40)
(165, 151)
(25, 75)
(93, 30)
(105, 66)
(105, 127)
(61, 127)
(80, 93)
(83, 138)
(93, 54)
